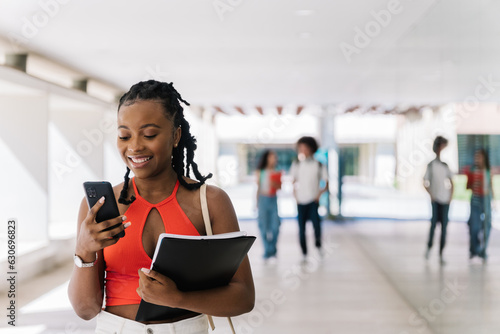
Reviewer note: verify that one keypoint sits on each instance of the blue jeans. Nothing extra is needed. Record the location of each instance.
(439, 214)
(479, 224)
(306, 212)
(269, 223)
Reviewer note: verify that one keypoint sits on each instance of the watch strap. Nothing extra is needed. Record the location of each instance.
(85, 264)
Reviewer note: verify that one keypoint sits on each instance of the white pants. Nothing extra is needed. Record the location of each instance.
(108, 323)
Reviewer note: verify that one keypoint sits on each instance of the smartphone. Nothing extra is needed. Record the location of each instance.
(94, 190)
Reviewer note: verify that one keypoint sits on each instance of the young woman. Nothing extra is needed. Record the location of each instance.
(268, 183)
(153, 136)
(479, 181)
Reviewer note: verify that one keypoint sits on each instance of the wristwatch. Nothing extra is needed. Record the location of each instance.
(80, 264)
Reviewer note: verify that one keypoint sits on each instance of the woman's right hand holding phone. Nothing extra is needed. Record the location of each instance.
(94, 236)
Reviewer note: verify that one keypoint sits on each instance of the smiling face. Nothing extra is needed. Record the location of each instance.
(146, 138)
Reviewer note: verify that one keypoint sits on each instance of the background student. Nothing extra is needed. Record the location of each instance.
(307, 174)
(479, 180)
(268, 183)
(439, 184)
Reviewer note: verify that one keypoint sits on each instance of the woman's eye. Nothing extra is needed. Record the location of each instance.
(150, 137)
(123, 138)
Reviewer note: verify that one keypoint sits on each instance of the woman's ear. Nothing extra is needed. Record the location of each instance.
(177, 136)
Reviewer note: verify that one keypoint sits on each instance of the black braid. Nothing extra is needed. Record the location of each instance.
(166, 94)
(124, 193)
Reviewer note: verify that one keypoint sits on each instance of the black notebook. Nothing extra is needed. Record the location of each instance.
(195, 263)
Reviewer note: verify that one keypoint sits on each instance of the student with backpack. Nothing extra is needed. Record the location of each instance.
(307, 174)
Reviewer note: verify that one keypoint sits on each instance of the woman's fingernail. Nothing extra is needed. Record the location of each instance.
(144, 270)
(101, 200)
(127, 224)
(124, 218)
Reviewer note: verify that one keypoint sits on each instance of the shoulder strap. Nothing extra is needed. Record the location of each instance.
(204, 209)
(208, 229)
(320, 171)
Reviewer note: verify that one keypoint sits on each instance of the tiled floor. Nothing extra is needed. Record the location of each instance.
(372, 279)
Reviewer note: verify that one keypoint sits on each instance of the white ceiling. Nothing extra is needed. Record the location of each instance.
(268, 53)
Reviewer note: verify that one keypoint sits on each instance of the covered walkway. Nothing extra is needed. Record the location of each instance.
(373, 279)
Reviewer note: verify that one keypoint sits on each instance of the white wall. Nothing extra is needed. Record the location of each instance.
(471, 119)
(114, 167)
(23, 148)
(77, 134)
(266, 129)
(365, 128)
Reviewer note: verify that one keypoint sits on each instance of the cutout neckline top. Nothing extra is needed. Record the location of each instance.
(127, 256)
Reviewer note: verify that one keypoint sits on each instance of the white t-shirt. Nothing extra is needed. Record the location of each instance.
(437, 179)
(307, 175)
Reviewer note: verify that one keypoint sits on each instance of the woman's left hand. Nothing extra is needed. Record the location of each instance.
(158, 289)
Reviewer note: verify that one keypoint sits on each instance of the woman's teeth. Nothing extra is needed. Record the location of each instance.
(140, 160)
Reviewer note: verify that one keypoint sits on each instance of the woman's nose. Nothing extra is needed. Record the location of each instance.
(135, 145)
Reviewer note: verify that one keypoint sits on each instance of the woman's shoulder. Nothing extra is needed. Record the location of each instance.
(217, 194)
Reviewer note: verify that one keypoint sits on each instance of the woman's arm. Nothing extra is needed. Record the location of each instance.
(324, 176)
(322, 191)
(452, 189)
(86, 286)
(234, 299)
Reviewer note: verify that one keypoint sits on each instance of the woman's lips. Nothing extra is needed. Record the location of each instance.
(139, 161)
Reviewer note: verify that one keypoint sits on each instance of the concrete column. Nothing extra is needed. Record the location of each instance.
(327, 126)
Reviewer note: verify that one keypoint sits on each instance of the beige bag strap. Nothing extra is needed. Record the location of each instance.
(204, 209)
(208, 229)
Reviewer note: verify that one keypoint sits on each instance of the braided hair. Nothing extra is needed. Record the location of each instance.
(166, 94)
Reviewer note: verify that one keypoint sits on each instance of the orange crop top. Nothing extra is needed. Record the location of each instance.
(127, 256)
